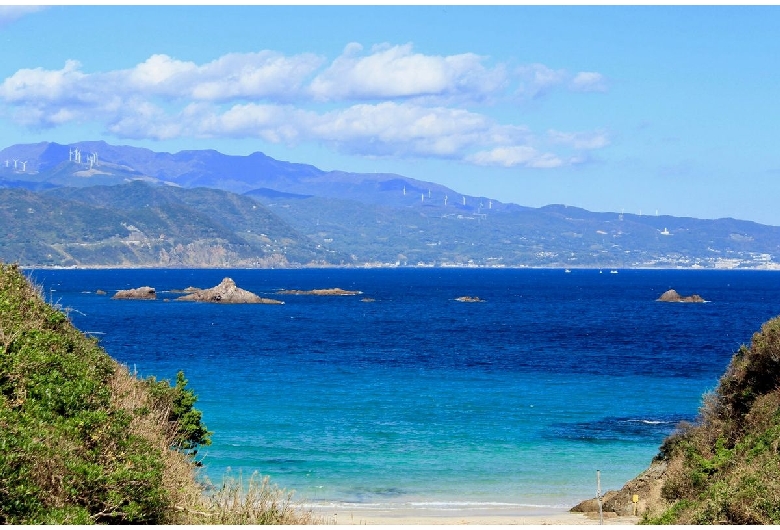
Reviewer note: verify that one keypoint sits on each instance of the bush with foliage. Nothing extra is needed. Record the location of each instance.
(71, 451)
(726, 467)
(84, 441)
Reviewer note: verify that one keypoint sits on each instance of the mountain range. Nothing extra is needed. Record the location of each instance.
(96, 204)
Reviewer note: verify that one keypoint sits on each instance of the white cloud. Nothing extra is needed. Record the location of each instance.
(580, 140)
(589, 82)
(517, 155)
(538, 79)
(397, 72)
(388, 102)
(263, 74)
(39, 85)
(384, 129)
(145, 120)
(9, 14)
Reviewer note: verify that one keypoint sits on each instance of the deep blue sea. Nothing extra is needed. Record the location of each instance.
(417, 399)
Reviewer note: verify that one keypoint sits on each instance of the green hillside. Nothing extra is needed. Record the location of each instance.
(137, 224)
(724, 468)
(83, 441)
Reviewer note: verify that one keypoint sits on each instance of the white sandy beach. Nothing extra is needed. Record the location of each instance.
(357, 515)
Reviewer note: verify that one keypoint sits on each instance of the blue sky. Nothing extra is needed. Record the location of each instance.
(611, 108)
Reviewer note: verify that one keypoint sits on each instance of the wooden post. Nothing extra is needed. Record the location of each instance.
(598, 495)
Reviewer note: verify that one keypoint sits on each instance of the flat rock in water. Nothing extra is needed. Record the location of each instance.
(672, 296)
(469, 299)
(226, 293)
(140, 293)
(335, 291)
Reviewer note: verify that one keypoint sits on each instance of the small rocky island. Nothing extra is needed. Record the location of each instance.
(140, 293)
(226, 293)
(672, 296)
(469, 299)
(334, 291)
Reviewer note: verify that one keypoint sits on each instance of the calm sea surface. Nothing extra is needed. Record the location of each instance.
(416, 399)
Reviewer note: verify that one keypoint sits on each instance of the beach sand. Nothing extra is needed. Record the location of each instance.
(426, 516)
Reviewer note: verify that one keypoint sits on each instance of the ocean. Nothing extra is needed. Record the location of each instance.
(416, 399)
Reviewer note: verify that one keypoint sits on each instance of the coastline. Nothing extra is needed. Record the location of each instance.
(421, 514)
(773, 268)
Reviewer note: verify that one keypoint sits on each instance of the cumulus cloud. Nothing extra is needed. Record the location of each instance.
(384, 129)
(398, 72)
(263, 74)
(390, 101)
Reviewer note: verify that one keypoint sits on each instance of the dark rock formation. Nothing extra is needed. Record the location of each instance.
(672, 296)
(226, 293)
(140, 293)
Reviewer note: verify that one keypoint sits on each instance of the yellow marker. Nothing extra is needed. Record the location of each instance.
(635, 499)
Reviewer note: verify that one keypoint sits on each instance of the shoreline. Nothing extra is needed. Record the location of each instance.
(388, 267)
(415, 514)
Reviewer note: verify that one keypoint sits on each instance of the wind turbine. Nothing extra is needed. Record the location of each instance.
(24, 166)
(445, 200)
(15, 161)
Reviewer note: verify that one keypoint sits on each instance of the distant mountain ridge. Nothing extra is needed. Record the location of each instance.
(74, 205)
(53, 164)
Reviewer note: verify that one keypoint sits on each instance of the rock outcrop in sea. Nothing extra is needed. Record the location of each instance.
(469, 299)
(672, 296)
(226, 293)
(139, 293)
(334, 291)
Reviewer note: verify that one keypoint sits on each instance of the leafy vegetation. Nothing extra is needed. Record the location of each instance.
(726, 467)
(84, 441)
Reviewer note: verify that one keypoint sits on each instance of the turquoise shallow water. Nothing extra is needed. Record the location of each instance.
(416, 399)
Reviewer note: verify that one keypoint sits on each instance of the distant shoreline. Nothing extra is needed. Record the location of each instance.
(405, 267)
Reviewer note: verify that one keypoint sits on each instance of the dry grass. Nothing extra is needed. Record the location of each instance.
(259, 502)
(150, 421)
(234, 503)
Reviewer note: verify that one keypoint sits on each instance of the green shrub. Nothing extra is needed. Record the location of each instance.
(67, 451)
(726, 467)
